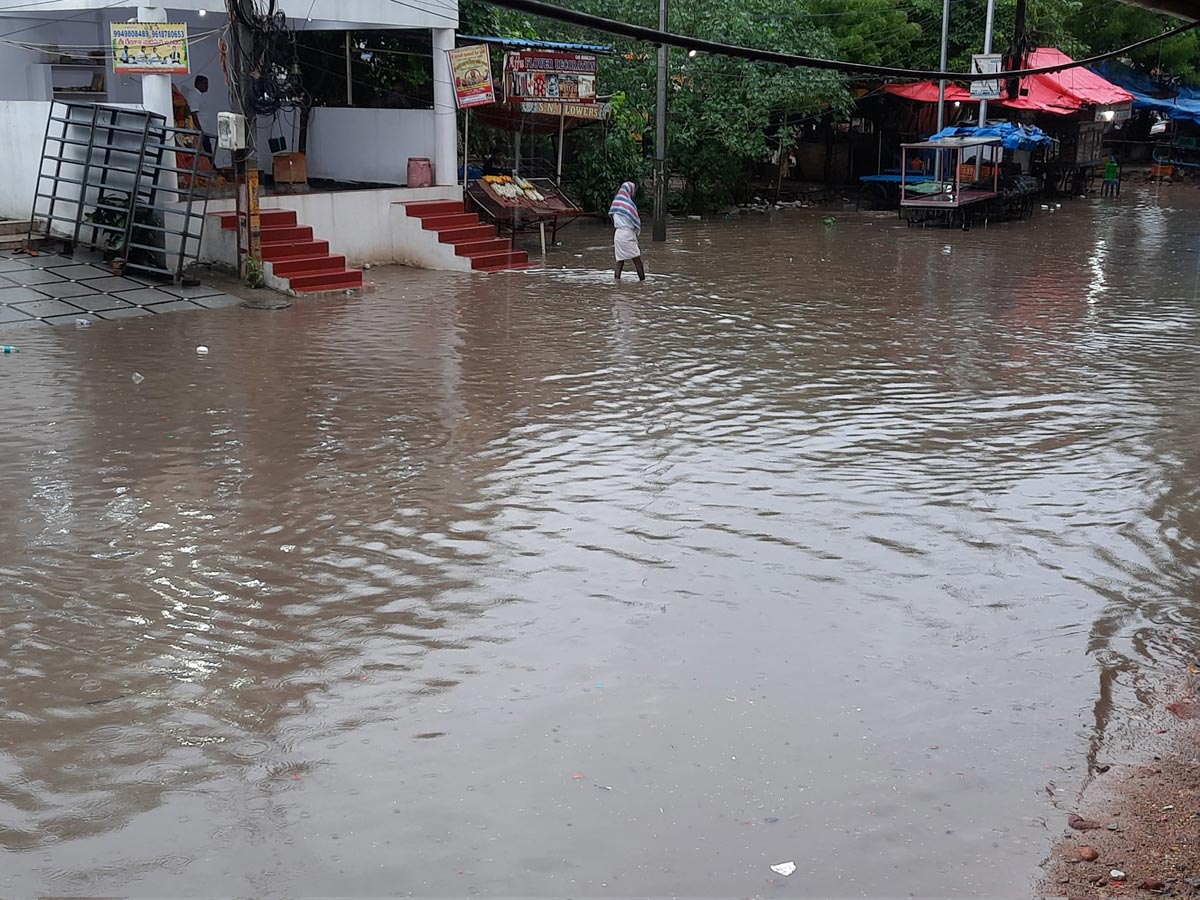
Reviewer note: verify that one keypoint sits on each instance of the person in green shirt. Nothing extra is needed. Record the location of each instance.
(1112, 178)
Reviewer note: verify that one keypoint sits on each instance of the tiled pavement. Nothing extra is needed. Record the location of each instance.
(58, 290)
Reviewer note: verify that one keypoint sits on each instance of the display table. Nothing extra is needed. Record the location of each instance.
(523, 213)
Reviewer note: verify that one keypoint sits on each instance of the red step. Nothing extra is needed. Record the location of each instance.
(267, 218)
(434, 208)
(279, 233)
(473, 233)
(307, 265)
(509, 268)
(346, 279)
(460, 220)
(294, 249)
(506, 260)
(475, 248)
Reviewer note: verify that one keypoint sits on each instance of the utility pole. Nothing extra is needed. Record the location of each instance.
(1016, 58)
(244, 64)
(941, 110)
(987, 48)
(660, 135)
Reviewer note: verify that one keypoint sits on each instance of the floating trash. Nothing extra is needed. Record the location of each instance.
(201, 350)
(784, 869)
(138, 378)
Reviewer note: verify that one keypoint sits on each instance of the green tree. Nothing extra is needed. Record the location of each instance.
(720, 110)
(606, 158)
(875, 32)
(1046, 25)
(1120, 24)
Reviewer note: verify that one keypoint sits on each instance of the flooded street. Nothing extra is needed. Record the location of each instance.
(832, 545)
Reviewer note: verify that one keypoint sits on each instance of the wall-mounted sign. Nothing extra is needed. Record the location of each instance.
(149, 48)
(544, 75)
(986, 64)
(1114, 114)
(594, 111)
(471, 68)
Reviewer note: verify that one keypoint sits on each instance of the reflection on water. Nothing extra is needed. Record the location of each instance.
(823, 545)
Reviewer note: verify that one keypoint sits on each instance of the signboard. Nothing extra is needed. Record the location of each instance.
(471, 68)
(986, 64)
(546, 75)
(1114, 114)
(597, 112)
(149, 48)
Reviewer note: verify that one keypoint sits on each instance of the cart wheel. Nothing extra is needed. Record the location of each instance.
(872, 196)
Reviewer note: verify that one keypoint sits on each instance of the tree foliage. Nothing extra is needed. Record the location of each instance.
(722, 112)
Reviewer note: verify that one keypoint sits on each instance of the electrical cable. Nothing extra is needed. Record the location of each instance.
(654, 36)
(41, 23)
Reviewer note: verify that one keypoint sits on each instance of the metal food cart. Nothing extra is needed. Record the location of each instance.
(949, 181)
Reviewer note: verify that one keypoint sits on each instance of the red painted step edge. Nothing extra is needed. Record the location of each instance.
(289, 249)
(458, 220)
(429, 208)
(267, 217)
(346, 280)
(276, 234)
(305, 265)
(506, 259)
(472, 233)
(476, 248)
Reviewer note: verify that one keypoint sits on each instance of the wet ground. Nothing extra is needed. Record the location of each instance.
(825, 545)
(79, 290)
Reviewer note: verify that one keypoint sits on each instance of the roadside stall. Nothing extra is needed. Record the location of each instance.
(1076, 107)
(548, 88)
(519, 205)
(958, 176)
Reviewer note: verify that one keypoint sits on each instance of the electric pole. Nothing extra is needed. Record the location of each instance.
(941, 110)
(987, 48)
(660, 135)
(244, 66)
(1016, 58)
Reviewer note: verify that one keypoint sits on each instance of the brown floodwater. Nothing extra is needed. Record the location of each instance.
(831, 545)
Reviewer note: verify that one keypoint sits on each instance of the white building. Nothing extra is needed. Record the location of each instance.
(345, 144)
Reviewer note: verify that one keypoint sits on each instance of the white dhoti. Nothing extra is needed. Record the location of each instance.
(626, 244)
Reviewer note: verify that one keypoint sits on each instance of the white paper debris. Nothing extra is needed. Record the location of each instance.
(784, 869)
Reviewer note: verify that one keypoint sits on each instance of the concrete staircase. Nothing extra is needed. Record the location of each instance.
(13, 233)
(294, 261)
(471, 239)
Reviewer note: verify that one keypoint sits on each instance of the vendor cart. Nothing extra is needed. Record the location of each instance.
(965, 177)
(516, 210)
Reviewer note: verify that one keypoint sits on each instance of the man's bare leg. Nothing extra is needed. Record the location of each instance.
(641, 270)
(620, 269)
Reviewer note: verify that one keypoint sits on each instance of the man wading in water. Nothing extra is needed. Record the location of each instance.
(628, 223)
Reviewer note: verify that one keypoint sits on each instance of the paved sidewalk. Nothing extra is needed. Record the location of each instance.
(57, 290)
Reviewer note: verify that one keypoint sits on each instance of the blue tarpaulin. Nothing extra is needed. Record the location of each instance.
(1179, 102)
(1012, 137)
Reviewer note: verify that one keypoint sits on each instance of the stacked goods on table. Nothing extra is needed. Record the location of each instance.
(513, 188)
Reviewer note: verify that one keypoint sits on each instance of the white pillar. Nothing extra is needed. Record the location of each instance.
(156, 94)
(156, 89)
(445, 114)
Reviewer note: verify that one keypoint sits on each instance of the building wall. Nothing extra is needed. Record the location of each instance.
(22, 131)
(23, 76)
(370, 145)
(323, 13)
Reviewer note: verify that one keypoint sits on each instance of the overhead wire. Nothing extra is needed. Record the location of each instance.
(85, 12)
(655, 36)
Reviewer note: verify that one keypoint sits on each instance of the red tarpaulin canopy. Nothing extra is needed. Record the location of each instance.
(1064, 92)
(927, 91)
